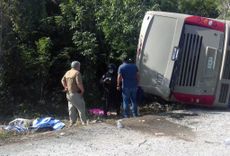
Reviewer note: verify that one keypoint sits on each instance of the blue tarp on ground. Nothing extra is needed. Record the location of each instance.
(20, 125)
(48, 122)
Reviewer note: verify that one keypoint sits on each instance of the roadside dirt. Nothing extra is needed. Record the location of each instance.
(198, 132)
(152, 121)
(148, 124)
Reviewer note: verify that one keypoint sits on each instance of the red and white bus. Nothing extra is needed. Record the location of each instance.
(185, 58)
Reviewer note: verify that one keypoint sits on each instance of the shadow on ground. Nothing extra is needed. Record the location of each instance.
(158, 126)
(153, 121)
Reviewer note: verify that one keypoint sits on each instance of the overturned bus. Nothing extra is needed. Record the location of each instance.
(185, 58)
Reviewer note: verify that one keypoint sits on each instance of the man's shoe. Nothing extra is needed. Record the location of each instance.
(71, 124)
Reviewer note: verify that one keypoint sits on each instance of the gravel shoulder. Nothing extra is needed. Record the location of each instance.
(192, 132)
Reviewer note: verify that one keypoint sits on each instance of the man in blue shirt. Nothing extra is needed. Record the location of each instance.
(129, 76)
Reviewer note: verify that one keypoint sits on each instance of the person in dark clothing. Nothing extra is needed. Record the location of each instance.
(111, 95)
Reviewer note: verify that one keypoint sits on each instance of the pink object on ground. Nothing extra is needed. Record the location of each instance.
(96, 111)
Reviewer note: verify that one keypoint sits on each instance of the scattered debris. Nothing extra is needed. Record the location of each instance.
(159, 134)
(62, 133)
(227, 141)
(211, 142)
(142, 121)
(142, 143)
(93, 121)
(156, 107)
(119, 124)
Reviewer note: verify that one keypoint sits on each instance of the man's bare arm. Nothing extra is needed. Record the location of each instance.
(81, 87)
(119, 78)
(63, 81)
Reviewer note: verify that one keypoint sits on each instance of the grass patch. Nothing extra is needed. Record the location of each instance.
(4, 135)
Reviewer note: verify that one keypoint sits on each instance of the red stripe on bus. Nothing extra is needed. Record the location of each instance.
(207, 100)
(205, 22)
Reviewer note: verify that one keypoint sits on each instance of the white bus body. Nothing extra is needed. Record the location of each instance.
(185, 58)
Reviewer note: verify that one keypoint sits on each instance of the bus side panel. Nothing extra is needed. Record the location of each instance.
(144, 27)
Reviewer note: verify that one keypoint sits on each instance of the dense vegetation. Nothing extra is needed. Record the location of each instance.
(39, 39)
